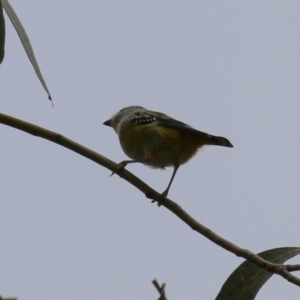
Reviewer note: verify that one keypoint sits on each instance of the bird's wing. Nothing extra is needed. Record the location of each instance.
(160, 119)
(150, 118)
(175, 124)
(182, 127)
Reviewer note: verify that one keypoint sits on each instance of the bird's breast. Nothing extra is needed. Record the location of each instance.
(158, 146)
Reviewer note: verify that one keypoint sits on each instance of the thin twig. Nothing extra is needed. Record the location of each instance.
(160, 289)
(292, 268)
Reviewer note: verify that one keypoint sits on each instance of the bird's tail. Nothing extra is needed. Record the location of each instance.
(220, 141)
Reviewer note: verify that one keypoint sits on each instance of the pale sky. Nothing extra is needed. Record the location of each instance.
(68, 230)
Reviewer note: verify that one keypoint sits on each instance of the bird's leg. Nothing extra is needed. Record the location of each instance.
(124, 163)
(165, 193)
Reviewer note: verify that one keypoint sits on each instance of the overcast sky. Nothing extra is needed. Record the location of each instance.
(230, 68)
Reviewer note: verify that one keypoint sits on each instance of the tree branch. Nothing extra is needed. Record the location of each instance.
(150, 193)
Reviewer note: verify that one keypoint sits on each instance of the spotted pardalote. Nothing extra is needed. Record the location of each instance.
(157, 140)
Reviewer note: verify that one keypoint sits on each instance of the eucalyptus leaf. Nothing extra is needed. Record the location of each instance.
(2, 34)
(25, 41)
(246, 280)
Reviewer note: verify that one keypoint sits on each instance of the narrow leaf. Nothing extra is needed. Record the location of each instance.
(246, 280)
(25, 41)
(2, 33)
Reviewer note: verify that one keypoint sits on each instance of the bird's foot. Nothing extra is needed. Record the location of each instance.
(150, 195)
(120, 167)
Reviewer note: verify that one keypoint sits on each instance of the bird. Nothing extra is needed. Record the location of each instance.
(157, 140)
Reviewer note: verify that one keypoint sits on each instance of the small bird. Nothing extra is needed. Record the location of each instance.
(157, 140)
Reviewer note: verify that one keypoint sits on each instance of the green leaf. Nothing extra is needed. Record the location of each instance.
(246, 280)
(2, 34)
(25, 41)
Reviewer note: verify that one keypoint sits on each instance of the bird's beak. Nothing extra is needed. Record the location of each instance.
(108, 123)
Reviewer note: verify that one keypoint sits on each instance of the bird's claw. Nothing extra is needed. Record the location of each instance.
(120, 167)
(150, 195)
